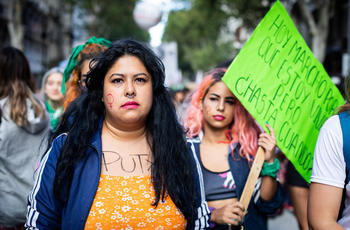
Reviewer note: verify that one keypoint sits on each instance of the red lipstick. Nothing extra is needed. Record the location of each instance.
(130, 105)
(219, 117)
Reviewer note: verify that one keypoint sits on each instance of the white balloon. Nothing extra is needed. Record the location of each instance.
(147, 15)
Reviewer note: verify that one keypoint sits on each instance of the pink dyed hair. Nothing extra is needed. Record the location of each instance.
(243, 130)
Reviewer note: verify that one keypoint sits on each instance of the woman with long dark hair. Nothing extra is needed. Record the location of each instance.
(23, 125)
(119, 157)
(225, 139)
(329, 196)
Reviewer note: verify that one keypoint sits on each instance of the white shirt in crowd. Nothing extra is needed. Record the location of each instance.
(329, 164)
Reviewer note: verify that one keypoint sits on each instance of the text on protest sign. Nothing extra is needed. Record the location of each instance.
(279, 81)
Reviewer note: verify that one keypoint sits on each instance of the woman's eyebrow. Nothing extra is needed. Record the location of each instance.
(139, 74)
(116, 74)
(214, 94)
(123, 75)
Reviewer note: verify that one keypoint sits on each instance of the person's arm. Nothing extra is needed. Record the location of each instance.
(323, 206)
(268, 184)
(328, 178)
(268, 188)
(43, 210)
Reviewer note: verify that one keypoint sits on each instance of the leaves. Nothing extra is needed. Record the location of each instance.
(199, 30)
(197, 33)
(112, 19)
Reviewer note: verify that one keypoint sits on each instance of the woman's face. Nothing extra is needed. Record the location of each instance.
(127, 91)
(217, 107)
(53, 87)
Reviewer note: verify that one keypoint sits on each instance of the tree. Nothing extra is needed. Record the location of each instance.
(199, 30)
(197, 33)
(315, 14)
(112, 19)
(317, 22)
(15, 25)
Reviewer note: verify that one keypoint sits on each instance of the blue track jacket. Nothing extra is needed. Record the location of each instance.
(45, 212)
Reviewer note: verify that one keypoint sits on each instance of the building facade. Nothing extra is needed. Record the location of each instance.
(42, 29)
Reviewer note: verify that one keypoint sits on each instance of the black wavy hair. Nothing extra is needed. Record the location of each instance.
(172, 168)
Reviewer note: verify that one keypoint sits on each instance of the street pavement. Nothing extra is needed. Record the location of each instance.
(284, 221)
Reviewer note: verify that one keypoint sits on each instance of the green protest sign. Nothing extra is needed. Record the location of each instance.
(279, 81)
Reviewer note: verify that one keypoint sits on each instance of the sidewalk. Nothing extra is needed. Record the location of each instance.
(285, 221)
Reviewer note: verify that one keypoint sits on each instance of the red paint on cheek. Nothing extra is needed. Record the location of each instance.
(110, 100)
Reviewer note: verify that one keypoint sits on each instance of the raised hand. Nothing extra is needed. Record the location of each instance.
(268, 143)
(231, 214)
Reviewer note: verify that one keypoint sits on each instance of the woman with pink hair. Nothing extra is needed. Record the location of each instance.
(224, 137)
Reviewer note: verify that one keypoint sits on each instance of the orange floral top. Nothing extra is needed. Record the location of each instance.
(126, 203)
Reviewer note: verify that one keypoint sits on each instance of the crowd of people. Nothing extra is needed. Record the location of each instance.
(106, 145)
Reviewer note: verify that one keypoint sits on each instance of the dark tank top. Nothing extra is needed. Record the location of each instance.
(218, 185)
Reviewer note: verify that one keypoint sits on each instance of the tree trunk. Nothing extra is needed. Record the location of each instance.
(319, 42)
(319, 31)
(15, 26)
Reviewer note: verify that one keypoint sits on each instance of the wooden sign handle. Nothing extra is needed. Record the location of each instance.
(252, 178)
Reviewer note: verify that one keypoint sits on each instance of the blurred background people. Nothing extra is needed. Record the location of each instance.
(178, 95)
(79, 65)
(52, 95)
(23, 126)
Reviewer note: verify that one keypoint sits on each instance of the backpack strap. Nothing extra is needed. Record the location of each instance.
(344, 119)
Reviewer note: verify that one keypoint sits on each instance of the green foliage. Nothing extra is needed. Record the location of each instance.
(210, 55)
(112, 19)
(250, 11)
(198, 30)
